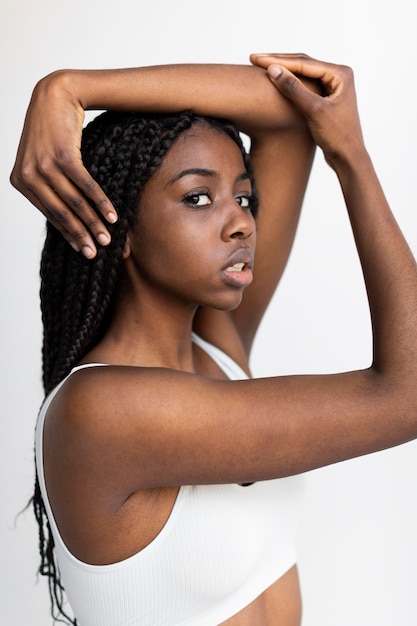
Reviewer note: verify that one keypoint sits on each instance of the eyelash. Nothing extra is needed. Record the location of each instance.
(190, 199)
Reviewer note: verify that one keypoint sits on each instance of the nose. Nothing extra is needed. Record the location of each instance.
(239, 222)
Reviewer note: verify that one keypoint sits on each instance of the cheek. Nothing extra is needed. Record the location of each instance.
(170, 242)
(172, 252)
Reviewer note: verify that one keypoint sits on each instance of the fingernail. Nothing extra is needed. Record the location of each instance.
(74, 246)
(274, 71)
(112, 217)
(103, 239)
(88, 252)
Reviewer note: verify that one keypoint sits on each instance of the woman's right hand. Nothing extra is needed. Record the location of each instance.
(49, 171)
(332, 117)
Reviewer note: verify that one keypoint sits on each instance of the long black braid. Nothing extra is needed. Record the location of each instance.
(121, 151)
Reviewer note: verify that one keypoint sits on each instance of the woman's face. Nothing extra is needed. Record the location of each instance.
(194, 236)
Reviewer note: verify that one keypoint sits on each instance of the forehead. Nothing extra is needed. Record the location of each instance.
(202, 147)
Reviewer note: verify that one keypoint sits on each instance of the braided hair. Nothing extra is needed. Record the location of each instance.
(121, 150)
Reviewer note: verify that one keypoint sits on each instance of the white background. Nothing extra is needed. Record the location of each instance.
(357, 540)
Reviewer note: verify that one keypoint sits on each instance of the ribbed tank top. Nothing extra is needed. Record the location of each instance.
(220, 548)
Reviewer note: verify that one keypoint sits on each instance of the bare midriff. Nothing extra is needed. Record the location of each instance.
(279, 605)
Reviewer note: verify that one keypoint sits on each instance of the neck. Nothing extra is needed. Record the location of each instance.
(152, 332)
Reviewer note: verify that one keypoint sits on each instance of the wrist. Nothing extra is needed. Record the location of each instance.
(347, 157)
(59, 86)
(355, 171)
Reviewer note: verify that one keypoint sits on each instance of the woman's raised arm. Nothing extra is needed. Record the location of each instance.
(48, 168)
(388, 266)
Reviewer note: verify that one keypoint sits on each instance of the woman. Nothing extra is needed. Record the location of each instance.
(171, 491)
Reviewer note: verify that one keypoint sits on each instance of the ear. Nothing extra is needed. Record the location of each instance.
(127, 250)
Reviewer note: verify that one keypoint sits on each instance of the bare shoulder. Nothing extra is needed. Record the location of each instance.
(155, 427)
(99, 398)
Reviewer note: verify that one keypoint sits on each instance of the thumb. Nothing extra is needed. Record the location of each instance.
(292, 88)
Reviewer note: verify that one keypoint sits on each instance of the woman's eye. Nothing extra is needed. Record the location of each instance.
(244, 201)
(198, 199)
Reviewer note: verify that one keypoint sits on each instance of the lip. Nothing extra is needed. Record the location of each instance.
(243, 277)
(244, 255)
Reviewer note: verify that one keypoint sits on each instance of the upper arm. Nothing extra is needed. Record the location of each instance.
(282, 152)
(147, 428)
(282, 162)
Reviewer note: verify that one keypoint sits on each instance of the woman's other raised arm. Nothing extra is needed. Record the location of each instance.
(388, 266)
(48, 168)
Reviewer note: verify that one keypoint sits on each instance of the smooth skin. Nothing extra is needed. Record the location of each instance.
(178, 421)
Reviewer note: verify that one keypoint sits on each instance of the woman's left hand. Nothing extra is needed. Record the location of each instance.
(332, 116)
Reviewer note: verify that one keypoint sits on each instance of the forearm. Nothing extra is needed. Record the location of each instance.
(241, 93)
(48, 167)
(389, 268)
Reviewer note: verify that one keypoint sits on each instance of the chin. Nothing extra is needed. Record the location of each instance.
(222, 300)
(227, 305)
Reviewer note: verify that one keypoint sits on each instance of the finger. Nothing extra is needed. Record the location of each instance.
(61, 190)
(70, 227)
(321, 77)
(331, 76)
(63, 202)
(77, 173)
(265, 59)
(64, 205)
(74, 184)
(292, 88)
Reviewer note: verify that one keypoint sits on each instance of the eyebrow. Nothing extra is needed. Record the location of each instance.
(200, 171)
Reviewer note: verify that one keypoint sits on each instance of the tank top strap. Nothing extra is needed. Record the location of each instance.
(223, 360)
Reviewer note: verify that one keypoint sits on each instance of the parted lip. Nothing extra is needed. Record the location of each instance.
(244, 255)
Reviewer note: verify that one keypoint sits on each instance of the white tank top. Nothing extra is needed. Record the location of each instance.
(221, 547)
